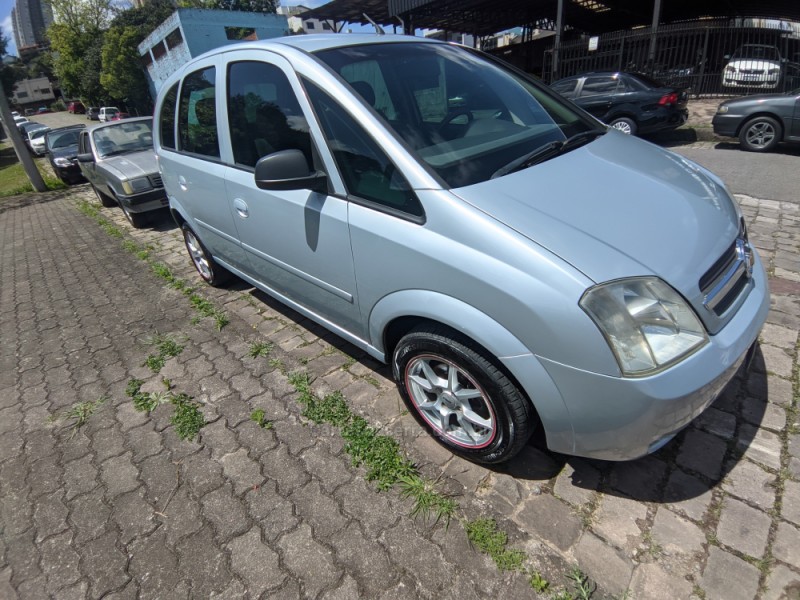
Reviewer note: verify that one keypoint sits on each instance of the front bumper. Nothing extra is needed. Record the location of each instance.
(616, 418)
(726, 124)
(743, 81)
(144, 202)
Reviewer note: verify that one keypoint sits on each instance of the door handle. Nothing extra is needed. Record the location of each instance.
(182, 183)
(241, 207)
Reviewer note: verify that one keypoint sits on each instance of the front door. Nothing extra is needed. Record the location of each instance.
(296, 242)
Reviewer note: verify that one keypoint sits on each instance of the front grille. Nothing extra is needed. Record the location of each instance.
(156, 181)
(753, 72)
(727, 278)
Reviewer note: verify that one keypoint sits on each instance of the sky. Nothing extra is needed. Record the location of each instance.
(8, 32)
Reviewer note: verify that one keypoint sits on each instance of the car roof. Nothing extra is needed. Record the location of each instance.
(75, 126)
(320, 41)
(116, 123)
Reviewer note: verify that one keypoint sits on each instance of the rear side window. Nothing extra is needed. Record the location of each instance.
(197, 116)
(367, 171)
(565, 87)
(599, 85)
(166, 120)
(264, 115)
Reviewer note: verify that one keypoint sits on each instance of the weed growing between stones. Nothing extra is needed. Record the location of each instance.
(78, 414)
(166, 346)
(259, 417)
(186, 418)
(537, 582)
(484, 535)
(258, 349)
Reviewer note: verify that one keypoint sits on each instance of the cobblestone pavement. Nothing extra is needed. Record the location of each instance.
(122, 507)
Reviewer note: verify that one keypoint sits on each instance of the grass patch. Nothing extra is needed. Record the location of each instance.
(259, 417)
(79, 413)
(259, 349)
(583, 587)
(484, 535)
(14, 180)
(537, 582)
(428, 503)
(166, 347)
(187, 418)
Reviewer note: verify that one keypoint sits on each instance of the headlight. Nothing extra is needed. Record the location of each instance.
(134, 186)
(774, 71)
(722, 109)
(730, 69)
(62, 162)
(646, 323)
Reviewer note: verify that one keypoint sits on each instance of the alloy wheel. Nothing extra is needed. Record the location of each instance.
(198, 256)
(760, 134)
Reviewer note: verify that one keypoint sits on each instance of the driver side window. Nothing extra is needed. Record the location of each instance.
(367, 171)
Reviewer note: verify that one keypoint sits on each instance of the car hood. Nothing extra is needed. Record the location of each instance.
(754, 63)
(618, 207)
(133, 165)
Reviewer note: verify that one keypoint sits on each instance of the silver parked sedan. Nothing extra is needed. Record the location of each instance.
(118, 160)
(523, 269)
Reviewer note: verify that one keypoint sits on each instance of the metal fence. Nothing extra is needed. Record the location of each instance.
(719, 57)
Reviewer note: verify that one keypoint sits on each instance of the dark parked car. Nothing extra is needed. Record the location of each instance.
(630, 102)
(93, 113)
(62, 152)
(760, 122)
(76, 108)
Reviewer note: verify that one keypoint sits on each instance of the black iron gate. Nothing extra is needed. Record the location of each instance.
(719, 57)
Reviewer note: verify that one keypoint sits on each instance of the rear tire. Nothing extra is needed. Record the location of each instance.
(761, 134)
(211, 272)
(458, 394)
(625, 125)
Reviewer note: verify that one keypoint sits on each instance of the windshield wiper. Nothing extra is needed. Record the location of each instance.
(548, 151)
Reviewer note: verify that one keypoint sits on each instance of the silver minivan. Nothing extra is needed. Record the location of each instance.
(524, 270)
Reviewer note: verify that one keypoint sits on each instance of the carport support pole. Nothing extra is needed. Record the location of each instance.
(557, 45)
(19, 146)
(651, 56)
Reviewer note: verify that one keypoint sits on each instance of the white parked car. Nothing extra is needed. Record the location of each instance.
(37, 140)
(107, 112)
(753, 66)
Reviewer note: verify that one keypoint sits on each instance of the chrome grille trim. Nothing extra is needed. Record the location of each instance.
(729, 279)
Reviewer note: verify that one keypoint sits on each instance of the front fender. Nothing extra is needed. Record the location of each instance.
(501, 343)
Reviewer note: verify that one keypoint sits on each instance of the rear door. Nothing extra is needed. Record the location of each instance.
(596, 96)
(297, 242)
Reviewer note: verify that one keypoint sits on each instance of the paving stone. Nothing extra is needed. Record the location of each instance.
(201, 473)
(777, 361)
(717, 422)
(49, 516)
(105, 564)
(243, 472)
(133, 515)
(286, 470)
(760, 445)
(617, 520)
(551, 519)
(154, 565)
(764, 414)
(652, 581)
(203, 564)
(181, 517)
(255, 562)
(786, 546)
(370, 508)
(88, 516)
(119, 475)
(308, 559)
(782, 584)
(144, 442)
(790, 507)
(676, 535)
(604, 564)
(225, 512)
(688, 494)
(325, 467)
(743, 527)
(702, 453)
(751, 482)
(365, 559)
(318, 510)
(23, 558)
(577, 482)
(59, 562)
(275, 514)
(220, 439)
(727, 577)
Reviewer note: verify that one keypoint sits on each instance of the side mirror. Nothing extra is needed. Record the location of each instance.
(86, 158)
(288, 170)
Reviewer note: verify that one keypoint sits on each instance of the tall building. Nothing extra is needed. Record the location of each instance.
(30, 20)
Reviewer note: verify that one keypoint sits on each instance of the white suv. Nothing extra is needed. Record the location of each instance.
(107, 112)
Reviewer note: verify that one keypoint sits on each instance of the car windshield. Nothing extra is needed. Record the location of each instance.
(62, 139)
(756, 53)
(123, 137)
(464, 115)
(37, 133)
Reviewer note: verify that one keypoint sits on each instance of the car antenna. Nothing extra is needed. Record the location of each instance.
(378, 29)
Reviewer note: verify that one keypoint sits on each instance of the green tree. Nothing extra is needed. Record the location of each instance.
(257, 6)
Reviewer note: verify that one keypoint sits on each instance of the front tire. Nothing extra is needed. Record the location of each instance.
(761, 134)
(105, 200)
(137, 220)
(456, 391)
(625, 125)
(211, 272)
